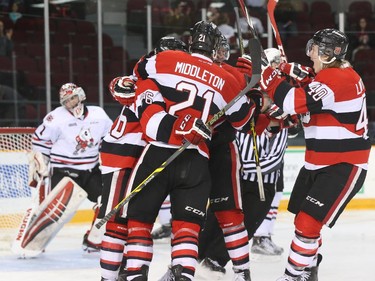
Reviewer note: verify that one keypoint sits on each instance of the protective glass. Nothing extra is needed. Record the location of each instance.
(309, 46)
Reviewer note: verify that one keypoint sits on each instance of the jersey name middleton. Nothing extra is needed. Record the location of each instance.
(72, 142)
(180, 83)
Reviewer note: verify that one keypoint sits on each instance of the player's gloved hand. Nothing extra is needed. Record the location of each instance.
(256, 97)
(275, 112)
(298, 72)
(270, 80)
(192, 129)
(294, 125)
(123, 89)
(38, 167)
(245, 65)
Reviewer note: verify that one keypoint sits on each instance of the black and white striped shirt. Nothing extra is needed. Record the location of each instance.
(271, 149)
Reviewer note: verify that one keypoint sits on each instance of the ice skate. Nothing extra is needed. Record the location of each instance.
(241, 275)
(210, 270)
(168, 276)
(141, 274)
(163, 231)
(177, 273)
(264, 249)
(311, 273)
(287, 278)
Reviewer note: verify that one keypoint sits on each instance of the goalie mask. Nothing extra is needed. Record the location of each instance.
(170, 43)
(71, 97)
(205, 38)
(331, 43)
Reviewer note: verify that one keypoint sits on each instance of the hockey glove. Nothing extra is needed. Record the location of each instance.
(38, 167)
(244, 65)
(123, 89)
(294, 125)
(275, 112)
(270, 80)
(192, 129)
(302, 74)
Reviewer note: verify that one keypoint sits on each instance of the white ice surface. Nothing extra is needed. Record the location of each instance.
(348, 254)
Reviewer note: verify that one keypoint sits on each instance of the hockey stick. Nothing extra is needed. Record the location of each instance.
(271, 6)
(239, 31)
(252, 124)
(255, 48)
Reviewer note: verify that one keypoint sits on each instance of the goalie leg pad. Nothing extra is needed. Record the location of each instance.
(41, 224)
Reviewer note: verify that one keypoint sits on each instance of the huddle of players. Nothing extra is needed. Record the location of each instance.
(167, 101)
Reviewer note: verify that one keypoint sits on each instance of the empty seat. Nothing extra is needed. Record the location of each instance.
(61, 38)
(365, 55)
(85, 27)
(36, 79)
(91, 66)
(320, 6)
(84, 40)
(58, 79)
(68, 26)
(107, 40)
(36, 50)
(27, 64)
(5, 64)
(58, 51)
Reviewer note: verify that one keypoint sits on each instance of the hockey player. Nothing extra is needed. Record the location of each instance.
(271, 147)
(120, 150)
(69, 140)
(337, 145)
(183, 91)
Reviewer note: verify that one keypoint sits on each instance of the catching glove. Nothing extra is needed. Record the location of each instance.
(123, 89)
(192, 129)
(298, 72)
(244, 65)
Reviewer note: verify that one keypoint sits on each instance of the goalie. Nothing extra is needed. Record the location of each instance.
(65, 151)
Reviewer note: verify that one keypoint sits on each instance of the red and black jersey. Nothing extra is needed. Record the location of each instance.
(178, 83)
(124, 143)
(333, 108)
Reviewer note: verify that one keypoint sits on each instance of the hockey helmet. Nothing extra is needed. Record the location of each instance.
(273, 56)
(331, 43)
(67, 92)
(205, 37)
(222, 50)
(170, 43)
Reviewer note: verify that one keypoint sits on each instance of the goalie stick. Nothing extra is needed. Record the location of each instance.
(271, 6)
(255, 48)
(252, 125)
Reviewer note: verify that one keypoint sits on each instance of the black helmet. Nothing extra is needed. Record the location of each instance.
(331, 42)
(170, 43)
(205, 37)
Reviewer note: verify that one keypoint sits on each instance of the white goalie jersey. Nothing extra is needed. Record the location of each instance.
(72, 142)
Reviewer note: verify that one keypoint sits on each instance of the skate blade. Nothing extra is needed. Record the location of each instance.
(264, 258)
(206, 274)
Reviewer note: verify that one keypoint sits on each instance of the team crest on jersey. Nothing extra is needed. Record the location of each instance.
(84, 140)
